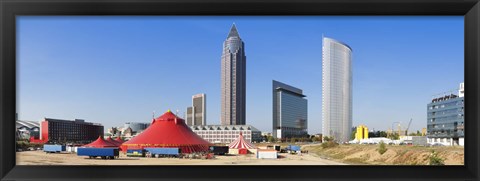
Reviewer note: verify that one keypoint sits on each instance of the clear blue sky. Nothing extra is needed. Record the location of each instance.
(119, 69)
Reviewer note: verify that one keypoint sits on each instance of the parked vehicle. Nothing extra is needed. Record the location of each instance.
(219, 150)
(53, 148)
(104, 153)
(293, 148)
(136, 153)
(163, 152)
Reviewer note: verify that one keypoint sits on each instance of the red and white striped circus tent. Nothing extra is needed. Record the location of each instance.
(240, 143)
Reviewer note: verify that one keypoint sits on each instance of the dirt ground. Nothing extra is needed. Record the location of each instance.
(395, 154)
(41, 158)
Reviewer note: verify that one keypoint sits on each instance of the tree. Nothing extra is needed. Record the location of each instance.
(270, 139)
(382, 148)
(434, 159)
(354, 132)
(293, 140)
(327, 138)
(394, 136)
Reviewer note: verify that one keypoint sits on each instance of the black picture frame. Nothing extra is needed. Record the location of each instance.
(470, 9)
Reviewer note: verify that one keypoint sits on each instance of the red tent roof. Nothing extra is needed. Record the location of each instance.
(240, 143)
(119, 140)
(168, 130)
(116, 143)
(100, 143)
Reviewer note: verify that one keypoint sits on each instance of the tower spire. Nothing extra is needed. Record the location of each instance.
(233, 31)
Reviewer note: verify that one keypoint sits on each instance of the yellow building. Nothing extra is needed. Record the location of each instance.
(424, 131)
(362, 132)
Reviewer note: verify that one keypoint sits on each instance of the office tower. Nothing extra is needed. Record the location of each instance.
(233, 76)
(289, 111)
(197, 113)
(336, 90)
(446, 119)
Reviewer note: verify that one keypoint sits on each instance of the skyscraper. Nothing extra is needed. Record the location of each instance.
(336, 90)
(197, 113)
(289, 111)
(233, 76)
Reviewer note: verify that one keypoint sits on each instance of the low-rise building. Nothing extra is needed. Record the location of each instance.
(227, 133)
(69, 131)
(27, 129)
(361, 132)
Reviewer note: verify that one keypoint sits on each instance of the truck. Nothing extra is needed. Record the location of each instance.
(163, 152)
(292, 148)
(104, 153)
(219, 150)
(53, 148)
(135, 152)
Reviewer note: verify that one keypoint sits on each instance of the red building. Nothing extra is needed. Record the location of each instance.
(69, 131)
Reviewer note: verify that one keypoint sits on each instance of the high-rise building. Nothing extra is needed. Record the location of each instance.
(445, 119)
(197, 113)
(289, 109)
(233, 77)
(336, 90)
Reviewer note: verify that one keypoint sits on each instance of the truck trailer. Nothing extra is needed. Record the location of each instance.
(219, 150)
(135, 152)
(163, 152)
(53, 148)
(104, 153)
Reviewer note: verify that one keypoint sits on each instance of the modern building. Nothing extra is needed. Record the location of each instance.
(136, 126)
(361, 132)
(27, 129)
(445, 119)
(68, 131)
(233, 80)
(197, 114)
(289, 109)
(128, 130)
(227, 133)
(336, 90)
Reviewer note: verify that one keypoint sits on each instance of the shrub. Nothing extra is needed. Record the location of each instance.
(382, 148)
(329, 144)
(435, 159)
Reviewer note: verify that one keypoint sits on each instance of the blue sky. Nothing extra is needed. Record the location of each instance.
(120, 69)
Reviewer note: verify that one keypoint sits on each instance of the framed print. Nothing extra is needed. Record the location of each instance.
(239, 90)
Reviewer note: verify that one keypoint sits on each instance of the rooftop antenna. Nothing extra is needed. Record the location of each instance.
(153, 114)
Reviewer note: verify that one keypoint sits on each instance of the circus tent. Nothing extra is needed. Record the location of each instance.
(100, 143)
(168, 131)
(119, 140)
(109, 139)
(240, 143)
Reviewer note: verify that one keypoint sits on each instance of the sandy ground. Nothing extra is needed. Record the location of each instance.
(395, 154)
(41, 158)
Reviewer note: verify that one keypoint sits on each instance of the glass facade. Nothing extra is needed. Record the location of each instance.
(233, 80)
(77, 131)
(289, 111)
(336, 90)
(445, 119)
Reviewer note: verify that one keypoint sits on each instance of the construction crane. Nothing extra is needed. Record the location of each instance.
(406, 131)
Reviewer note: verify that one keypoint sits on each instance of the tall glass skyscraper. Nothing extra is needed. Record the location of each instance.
(336, 90)
(233, 78)
(289, 111)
